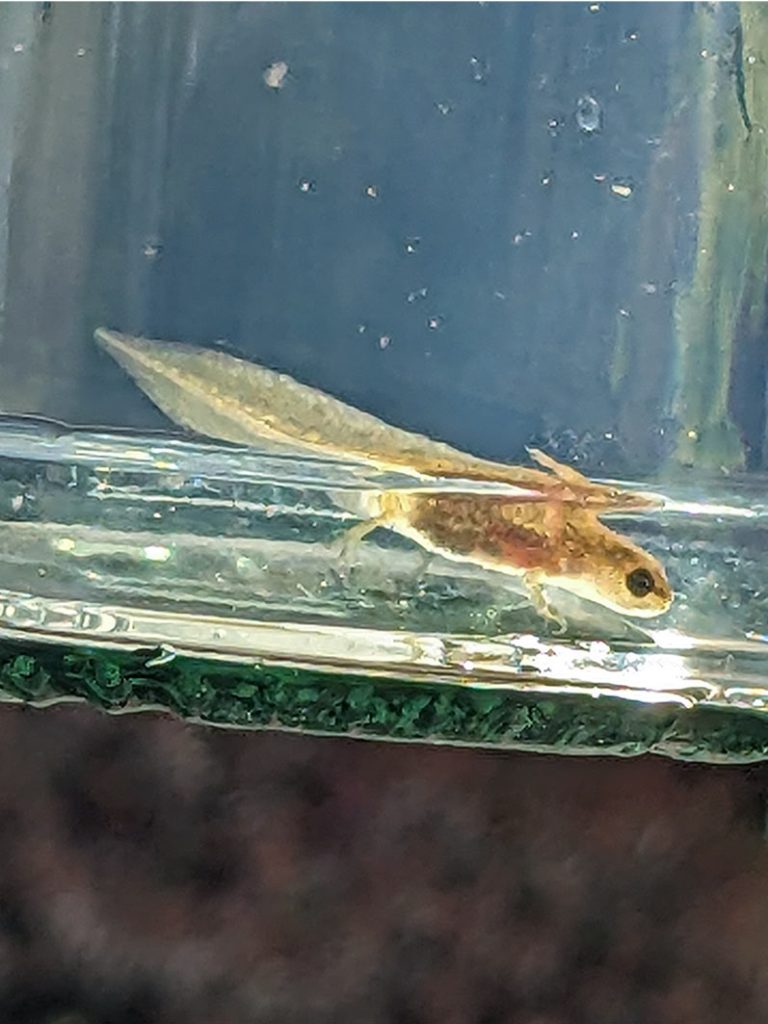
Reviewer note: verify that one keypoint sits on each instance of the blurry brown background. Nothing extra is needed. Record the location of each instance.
(154, 871)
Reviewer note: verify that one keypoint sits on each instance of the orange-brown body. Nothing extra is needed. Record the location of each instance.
(556, 543)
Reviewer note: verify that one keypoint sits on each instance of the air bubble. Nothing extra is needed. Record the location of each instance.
(589, 114)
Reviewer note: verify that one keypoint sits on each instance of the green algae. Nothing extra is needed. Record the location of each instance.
(282, 698)
(723, 311)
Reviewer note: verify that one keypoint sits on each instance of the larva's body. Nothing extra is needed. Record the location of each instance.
(544, 543)
(551, 534)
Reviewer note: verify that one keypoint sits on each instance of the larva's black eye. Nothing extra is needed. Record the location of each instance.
(639, 583)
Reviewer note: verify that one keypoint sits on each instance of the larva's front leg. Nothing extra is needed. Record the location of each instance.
(533, 585)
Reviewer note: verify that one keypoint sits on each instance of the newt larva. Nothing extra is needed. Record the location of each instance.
(552, 535)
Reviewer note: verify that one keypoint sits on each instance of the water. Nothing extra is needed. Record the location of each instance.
(156, 541)
(499, 225)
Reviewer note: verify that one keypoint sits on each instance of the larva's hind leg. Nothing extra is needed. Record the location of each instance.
(425, 561)
(347, 544)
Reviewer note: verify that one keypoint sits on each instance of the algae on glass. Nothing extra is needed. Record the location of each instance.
(721, 313)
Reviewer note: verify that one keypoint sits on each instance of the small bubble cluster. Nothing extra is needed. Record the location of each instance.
(479, 68)
(589, 114)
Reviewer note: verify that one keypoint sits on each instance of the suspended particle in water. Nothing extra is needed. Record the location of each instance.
(152, 250)
(417, 295)
(622, 188)
(649, 287)
(547, 178)
(631, 36)
(307, 185)
(554, 126)
(589, 114)
(275, 75)
(362, 328)
(18, 47)
(480, 69)
(385, 341)
(434, 323)
(593, 8)
(412, 244)
(444, 108)
(81, 51)
(372, 191)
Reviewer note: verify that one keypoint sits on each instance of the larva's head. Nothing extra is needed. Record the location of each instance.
(618, 574)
